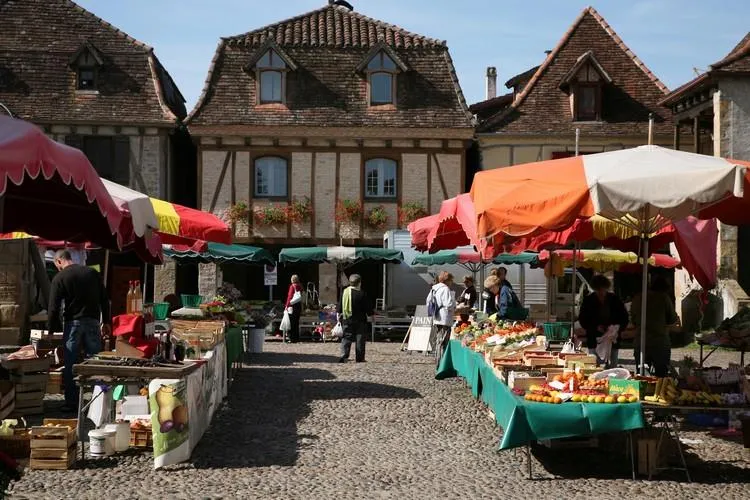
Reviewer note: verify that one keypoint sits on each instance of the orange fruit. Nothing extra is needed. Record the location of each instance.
(599, 399)
(622, 399)
(557, 401)
(610, 399)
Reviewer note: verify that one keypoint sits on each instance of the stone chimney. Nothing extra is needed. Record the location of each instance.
(491, 82)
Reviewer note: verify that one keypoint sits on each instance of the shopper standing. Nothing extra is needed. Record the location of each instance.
(600, 310)
(468, 296)
(78, 293)
(354, 309)
(660, 315)
(444, 305)
(294, 308)
(490, 293)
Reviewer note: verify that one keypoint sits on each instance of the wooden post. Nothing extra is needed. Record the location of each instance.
(696, 135)
(677, 136)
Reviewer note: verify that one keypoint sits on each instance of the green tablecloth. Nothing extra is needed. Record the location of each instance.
(524, 421)
(234, 345)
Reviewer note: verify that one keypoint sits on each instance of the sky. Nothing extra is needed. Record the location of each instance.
(674, 38)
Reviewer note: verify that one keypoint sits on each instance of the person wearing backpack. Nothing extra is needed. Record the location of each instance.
(441, 306)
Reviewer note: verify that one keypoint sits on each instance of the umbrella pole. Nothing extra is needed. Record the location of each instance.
(106, 268)
(575, 291)
(644, 303)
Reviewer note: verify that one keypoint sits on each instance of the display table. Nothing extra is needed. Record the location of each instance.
(713, 346)
(524, 422)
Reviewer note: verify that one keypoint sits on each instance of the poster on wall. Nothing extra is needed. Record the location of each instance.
(270, 276)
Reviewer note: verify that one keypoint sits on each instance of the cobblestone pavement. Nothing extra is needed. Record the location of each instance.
(298, 425)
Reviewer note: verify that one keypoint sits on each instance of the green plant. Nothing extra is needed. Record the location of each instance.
(300, 210)
(409, 212)
(270, 215)
(239, 212)
(348, 211)
(377, 217)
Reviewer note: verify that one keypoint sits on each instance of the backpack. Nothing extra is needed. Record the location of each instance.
(433, 309)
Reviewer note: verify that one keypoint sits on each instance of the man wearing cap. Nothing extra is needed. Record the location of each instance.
(354, 309)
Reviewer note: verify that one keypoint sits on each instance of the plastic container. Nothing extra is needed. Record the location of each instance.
(256, 340)
(161, 311)
(122, 435)
(134, 405)
(191, 301)
(556, 332)
(98, 443)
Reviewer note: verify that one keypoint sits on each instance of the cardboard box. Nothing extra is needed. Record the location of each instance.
(518, 380)
(638, 388)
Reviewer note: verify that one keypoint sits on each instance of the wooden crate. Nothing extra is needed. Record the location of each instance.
(29, 378)
(7, 393)
(59, 438)
(141, 438)
(23, 366)
(53, 458)
(18, 445)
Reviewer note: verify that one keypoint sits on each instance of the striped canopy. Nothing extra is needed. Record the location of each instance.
(346, 255)
(179, 225)
(605, 260)
(220, 253)
(460, 256)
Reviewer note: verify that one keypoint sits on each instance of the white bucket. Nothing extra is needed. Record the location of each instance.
(109, 442)
(98, 443)
(122, 435)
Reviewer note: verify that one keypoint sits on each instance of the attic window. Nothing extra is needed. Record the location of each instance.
(86, 63)
(585, 81)
(381, 71)
(588, 102)
(271, 78)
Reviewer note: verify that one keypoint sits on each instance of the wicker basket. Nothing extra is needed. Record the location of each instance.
(18, 445)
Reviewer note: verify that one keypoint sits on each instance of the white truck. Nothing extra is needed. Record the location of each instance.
(406, 285)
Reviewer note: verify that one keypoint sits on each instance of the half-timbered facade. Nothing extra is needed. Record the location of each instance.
(326, 110)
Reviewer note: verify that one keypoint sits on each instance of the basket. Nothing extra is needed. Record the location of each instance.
(557, 331)
(161, 310)
(18, 445)
(191, 301)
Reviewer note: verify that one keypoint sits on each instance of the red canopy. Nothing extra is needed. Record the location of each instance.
(420, 229)
(51, 190)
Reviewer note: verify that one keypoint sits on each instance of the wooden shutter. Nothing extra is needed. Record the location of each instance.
(121, 171)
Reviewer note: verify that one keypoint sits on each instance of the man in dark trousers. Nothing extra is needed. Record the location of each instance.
(78, 292)
(354, 309)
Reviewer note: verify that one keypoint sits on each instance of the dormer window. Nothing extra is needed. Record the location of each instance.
(86, 63)
(382, 79)
(271, 78)
(585, 82)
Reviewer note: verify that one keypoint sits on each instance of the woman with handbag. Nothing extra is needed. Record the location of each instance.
(294, 308)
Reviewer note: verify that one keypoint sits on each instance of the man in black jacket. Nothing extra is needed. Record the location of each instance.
(354, 309)
(78, 293)
(598, 312)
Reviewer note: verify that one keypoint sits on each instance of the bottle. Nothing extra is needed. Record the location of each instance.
(129, 298)
(167, 348)
(138, 299)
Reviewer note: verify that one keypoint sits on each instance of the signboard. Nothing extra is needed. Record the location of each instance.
(420, 331)
(270, 277)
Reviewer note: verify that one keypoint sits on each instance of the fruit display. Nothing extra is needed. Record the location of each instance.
(732, 332)
(493, 332)
(667, 393)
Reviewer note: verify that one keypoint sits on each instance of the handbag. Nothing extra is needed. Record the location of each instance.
(338, 330)
(296, 298)
(286, 323)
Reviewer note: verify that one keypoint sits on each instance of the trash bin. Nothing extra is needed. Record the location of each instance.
(254, 338)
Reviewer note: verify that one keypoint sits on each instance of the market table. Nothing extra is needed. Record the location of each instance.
(713, 346)
(524, 422)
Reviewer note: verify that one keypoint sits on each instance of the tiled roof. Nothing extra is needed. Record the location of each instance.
(487, 108)
(38, 40)
(333, 26)
(736, 60)
(543, 108)
(521, 77)
(328, 45)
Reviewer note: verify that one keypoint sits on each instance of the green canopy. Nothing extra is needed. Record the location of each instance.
(464, 257)
(344, 255)
(220, 253)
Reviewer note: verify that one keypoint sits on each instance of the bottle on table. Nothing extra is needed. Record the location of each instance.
(138, 299)
(129, 297)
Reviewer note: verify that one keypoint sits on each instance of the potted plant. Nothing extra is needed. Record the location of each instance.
(239, 212)
(300, 210)
(377, 218)
(348, 211)
(270, 215)
(409, 212)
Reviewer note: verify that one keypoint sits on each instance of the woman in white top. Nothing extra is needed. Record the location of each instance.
(444, 300)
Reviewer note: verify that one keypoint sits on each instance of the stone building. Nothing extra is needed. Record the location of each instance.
(326, 108)
(712, 111)
(90, 85)
(591, 82)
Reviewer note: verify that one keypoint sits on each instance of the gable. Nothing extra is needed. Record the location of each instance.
(630, 95)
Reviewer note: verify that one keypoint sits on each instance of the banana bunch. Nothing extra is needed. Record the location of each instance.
(667, 393)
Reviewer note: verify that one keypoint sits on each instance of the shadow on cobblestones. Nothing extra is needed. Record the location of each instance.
(288, 359)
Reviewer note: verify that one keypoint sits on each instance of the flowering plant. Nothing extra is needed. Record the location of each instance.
(229, 292)
(377, 217)
(348, 211)
(270, 215)
(409, 212)
(300, 210)
(239, 212)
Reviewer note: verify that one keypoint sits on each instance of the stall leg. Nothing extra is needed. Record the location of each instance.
(631, 446)
(528, 460)
(81, 388)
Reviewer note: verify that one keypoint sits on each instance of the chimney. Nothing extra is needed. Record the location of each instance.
(491, 82)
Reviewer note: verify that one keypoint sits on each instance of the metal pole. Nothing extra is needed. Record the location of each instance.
(650, 128)
(575, 291)
(578, 139)
(644, 304)
(106, 267)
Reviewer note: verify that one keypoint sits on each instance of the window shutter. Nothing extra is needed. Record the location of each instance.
(74, 141)
(121, 171)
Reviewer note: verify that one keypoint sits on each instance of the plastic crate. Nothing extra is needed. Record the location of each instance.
(557, 331)
(191, 301)
(161, 310)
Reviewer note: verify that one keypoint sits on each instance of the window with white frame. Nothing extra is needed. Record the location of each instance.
(380, 178)
(271, 78)
(271, 177)
(381, 72)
